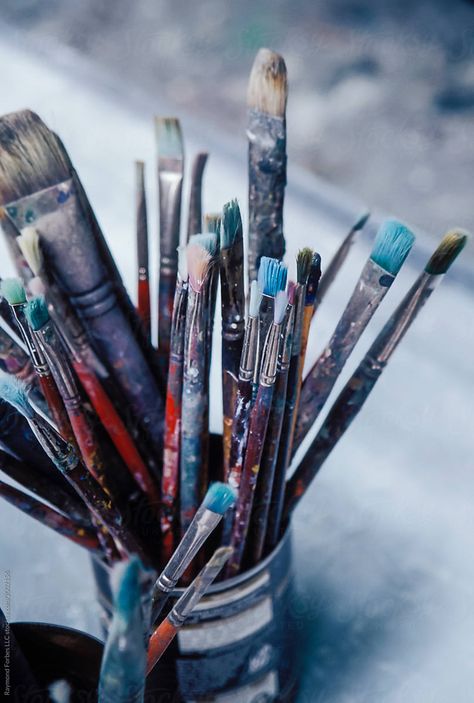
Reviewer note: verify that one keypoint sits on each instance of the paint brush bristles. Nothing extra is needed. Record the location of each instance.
(272, 276)
(391, 247)
(357, 389)
(195, 195)
(170, 179)
(141, 225)
(266, 132)
(167, 630)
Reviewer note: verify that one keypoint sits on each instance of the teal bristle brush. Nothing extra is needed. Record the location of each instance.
(272, 276)
(219, 498)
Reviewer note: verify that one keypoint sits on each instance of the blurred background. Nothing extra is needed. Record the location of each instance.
(380, 114)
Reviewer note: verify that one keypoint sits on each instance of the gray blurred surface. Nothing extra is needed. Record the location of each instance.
(384, 539)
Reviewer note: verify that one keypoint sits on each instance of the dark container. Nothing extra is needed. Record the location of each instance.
(238, 645)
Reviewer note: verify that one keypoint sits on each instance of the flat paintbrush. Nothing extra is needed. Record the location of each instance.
(164, 634)
(141, 224)
(392, 246)
(256, 438)
(37, 186)
(272, 276)
(195, 194)
(266, 133)
(170, 148)
(356, 391)
(233, 313)
(219, 498)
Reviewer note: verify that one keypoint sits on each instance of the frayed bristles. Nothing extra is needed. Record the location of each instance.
(272, 275)
(281, 303)
(208, 240)
(231, 229)
(268, 85)
(29, 243)
(126, 587)
(313, 280)
(199, 262)
(392, 246)
(13, 291)
(182, 264)
(255, 299)
(449, 248)
(213, 222)
(303, 265)
(169, 139)
(14, 391)
(291, 292)
(219, 497)
(37, 313)
(31, 156)
(360, 223)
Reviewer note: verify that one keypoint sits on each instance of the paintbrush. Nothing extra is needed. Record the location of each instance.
(172, 441)
(263, 493)
(14, 293)
(195, 194)
(65, 459)
(357, 389)
(219, 498)
(243, 402)
(16, 675)
(14, 356)
(194, 429)
(143, 281)
(339, 258)
(266, 133)
(123, 668)
(233, 313)
(391, 247)
(256, 438)
(272, 276)
(50, 517)
(164, 634)
(46, 487)
(170, 148)
(37, 187)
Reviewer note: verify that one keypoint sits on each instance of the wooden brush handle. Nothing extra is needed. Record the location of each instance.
(56, 405)
(159, 643)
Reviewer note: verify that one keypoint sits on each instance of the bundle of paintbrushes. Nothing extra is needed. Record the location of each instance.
(106, 433)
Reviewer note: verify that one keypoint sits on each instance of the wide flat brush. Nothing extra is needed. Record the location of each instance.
(219, 498)
(170, 149)
(37, 188)
(256, 439)
(356, 391)
(391, 247)
(141, 223)
(233, 313)
(195, 194)
(164, 634)
(266, 133)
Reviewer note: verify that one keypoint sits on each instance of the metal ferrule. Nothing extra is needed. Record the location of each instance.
(179, 319)
(270, 356)
(60, 452)
(170, 179)
(54, 352)
(284, 358)
(193, 595)
(37, 357)
(203, 523)
(248, 359)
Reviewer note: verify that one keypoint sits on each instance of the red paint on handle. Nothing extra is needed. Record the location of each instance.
(159, 643)
(56, 405)
(144, 304)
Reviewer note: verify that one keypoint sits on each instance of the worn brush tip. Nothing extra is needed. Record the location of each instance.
(219, 558)
(303, 265)
(313, 280)
(182, 263)
(13, 291)
(213, 222)
(450, 246)
(272, 275)
(169, 139)
(392, 246)
(14, 391)
(37, 313)
(29, 243)
(268, 84)
(208, 240)
(255, 299)
(219, 497)
(360, 223)
(199, 261)
(231, 228)
(279, 310)
(126, 586)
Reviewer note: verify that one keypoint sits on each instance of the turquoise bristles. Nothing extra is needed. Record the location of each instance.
(13, 291)
(14, 391)
(392, 246)
(208, 240)
(272, 275)
(219, 497)
(37, 313)
(231, 224)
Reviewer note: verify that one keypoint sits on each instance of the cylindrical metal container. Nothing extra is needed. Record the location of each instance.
(237, 647)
